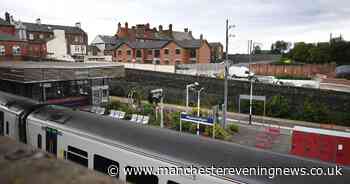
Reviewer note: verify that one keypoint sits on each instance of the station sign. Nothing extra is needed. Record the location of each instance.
(195, 119)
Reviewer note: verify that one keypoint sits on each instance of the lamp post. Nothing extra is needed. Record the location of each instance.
(251, 78)
(198, 106)
(226, 71)
(187, 91)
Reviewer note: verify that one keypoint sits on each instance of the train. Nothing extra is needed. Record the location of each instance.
(97, 142)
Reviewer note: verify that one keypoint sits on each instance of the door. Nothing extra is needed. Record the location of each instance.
(343, 151)
(1, 123)
(51, 141)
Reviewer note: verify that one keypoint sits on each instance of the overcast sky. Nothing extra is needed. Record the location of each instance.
(263, 21)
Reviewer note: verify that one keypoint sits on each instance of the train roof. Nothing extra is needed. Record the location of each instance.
(188, 149)
(16, 103)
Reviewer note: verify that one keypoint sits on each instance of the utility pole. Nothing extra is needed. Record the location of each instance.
(226, 85)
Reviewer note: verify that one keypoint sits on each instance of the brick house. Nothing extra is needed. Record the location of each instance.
(45, 41)
(11, 47)
(163, 52)
(142, 44)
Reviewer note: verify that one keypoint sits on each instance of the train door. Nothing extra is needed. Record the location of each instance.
(1, 123)
(51, 141)
(343, 151)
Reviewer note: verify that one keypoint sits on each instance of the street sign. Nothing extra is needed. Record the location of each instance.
(194, 119)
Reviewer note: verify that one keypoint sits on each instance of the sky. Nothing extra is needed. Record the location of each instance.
(264, 21)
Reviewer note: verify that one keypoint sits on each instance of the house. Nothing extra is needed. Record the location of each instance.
(11, 47)
(166, 52)
(100, 48)
(217, 51)
(46, 41)
(146, 45)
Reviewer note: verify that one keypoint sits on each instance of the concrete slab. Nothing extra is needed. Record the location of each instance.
(22, 164)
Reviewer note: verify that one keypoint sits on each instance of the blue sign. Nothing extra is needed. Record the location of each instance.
(196, 119)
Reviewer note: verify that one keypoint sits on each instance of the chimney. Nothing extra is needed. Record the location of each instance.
(147, 26)
(78, 25)
(126, 25)
(170, 27)
(190, 33)
(119, 26)
(7, 17)
(201, 37)
(11, 19)
(38, 21)
(186, 30)
(160, 28)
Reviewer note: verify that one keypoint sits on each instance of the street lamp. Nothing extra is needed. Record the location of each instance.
(188, 87)
(226, 72)
(251, 78)
(198, 106)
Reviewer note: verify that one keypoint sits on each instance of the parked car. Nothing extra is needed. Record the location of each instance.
(239, 72)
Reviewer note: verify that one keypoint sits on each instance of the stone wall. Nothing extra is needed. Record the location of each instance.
(174, 86)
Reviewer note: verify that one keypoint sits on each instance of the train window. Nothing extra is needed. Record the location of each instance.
(78, 156)
(172, 182)
(77, 151)
(7, 128)
(39, 141)
(139, 177)
(1, 123)
(102, 165)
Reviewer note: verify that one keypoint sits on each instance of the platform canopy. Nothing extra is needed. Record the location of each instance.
(34, 72)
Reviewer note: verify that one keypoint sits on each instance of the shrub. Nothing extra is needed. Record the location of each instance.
(278, 107)
(220, 133)
(232, 128)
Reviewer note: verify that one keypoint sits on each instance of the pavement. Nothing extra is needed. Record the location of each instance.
(22, 164)
(335, 87)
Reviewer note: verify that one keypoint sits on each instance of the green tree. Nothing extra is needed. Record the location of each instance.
(280, 47)
(257, 49)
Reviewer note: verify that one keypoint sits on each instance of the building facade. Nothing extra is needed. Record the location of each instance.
(145, 45)
(45, 41)
(217, 51)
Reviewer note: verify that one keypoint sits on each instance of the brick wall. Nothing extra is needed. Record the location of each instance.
(203, 54)
(8, 48)
(307, 70)
(8, 30)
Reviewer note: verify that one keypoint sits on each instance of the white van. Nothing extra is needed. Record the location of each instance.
(239, 72)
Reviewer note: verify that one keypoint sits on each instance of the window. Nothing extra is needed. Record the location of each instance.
(129, 61)
(41, 36)
(119, 52)
(76, 39)
(150, 52)
(77, 155)
(138, 53)
(2, 50)
(1, 123)
(193, 53)
(178, 62)
(166, 51)
(102, 164)
(7, 128)
(39, 141)
(140, 178)
(128, 52)
(157, 53)
(31, 36)
(178, 51)
(166, 62)
(16, 50)
(172, 182)
(77, 48)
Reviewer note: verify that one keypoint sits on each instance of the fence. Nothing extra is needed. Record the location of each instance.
(200, 69)
(306, 70)
(150, 67)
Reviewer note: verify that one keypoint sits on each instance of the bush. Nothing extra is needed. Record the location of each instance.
(220, 133)
(232, 128)
(278, 107)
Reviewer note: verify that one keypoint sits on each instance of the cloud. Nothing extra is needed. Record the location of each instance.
(264, 21)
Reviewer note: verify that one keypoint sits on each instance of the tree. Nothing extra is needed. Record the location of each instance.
(280, 47)
(257, 49)
(301, 52)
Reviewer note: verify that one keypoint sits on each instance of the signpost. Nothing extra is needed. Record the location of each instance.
(209, 121)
